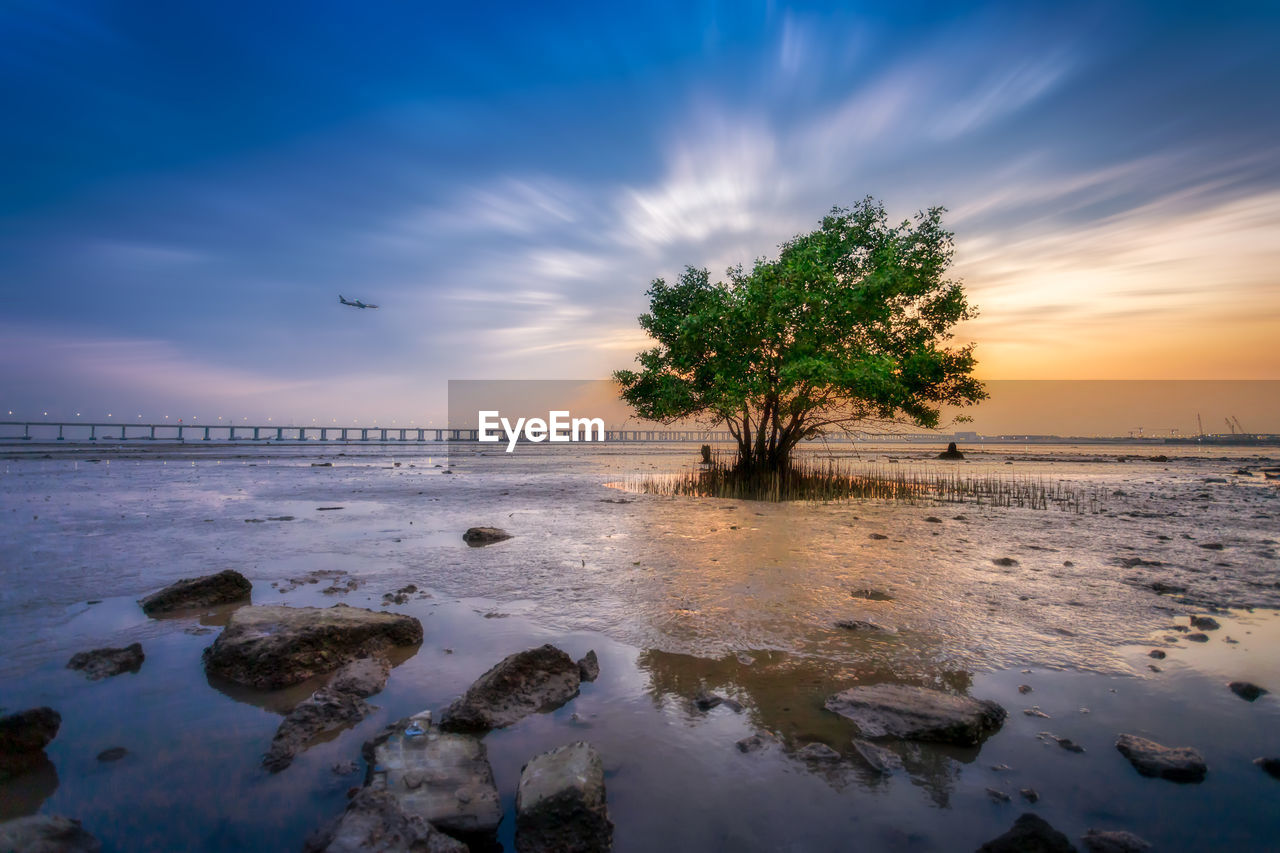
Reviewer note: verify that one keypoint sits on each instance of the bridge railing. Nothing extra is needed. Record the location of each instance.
(122, 431)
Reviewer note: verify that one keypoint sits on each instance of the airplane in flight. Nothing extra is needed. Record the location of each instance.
(354, 303)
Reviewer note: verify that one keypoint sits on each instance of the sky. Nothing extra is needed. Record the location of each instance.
(188, 187)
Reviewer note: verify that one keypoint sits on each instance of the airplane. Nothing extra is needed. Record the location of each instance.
(354, 303)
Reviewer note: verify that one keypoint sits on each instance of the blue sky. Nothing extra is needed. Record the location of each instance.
(188, 187)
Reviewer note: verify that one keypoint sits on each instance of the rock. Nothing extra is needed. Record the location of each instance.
(1205, 623)
(524, 683)
(1031, 795)
(1164, 588)
(1005, 561)
(1177, 764)
(1196, 638)
(1067, 743)
(1113, 841)
(998, 796)
(362, 677)
(865, 626)
(1029, 834)
(103, 663)
(223, 588)
(442, 778)
(951, 452)
(45, 833)
(1157, 654)
(273, 647)
(560, 803)
(589, 667)
(375, 823)
(345, 768)
(337, 705)
(933, 519)
(1269, 765)
(877, 536)
(917, 713)
(817, 752)
(478, 536)
(23, 737)
(115, 753)
(1246, 690)
(1024, 688)
(756, 742)
(878, 758)
(1034, 711)
(870, 594)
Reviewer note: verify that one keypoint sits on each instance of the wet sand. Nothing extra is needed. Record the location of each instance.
(675, 595)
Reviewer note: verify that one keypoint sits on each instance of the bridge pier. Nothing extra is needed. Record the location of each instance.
(279, 433)
(152, 437)
(206, 433)
(93, 432)
(60, 438)
(324, 434)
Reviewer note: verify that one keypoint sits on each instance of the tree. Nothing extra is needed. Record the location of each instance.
(848, 327)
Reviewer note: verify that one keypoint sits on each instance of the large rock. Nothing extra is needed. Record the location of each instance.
(917, 713)
(440, 777)
(23, 737)
(46, 833)
(335, 706)
(103, 663)
(273, 647)
(1029, 834)
(524, 683)
(560, 803)
(375, 823)
(1177, 764)
(223, 588)
(477, 536)
(1113, 841)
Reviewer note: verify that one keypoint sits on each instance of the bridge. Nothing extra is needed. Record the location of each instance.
(124, 431)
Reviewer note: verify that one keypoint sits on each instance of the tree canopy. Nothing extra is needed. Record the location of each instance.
(848, 326)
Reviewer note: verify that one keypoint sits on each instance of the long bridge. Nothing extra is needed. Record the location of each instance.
(124, 431)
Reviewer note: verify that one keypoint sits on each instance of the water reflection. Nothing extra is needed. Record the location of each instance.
(784, 693)
(284, 700)
(25, 794)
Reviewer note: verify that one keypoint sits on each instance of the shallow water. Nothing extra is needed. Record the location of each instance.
(670, 593)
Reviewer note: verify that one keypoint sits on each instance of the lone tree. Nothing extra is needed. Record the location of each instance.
(845, 330)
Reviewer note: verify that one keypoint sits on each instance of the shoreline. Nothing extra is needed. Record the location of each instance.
(676, 597)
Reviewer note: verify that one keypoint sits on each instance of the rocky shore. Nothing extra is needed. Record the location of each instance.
(493, 733)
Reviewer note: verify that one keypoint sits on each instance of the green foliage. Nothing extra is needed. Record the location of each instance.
(848, 325)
